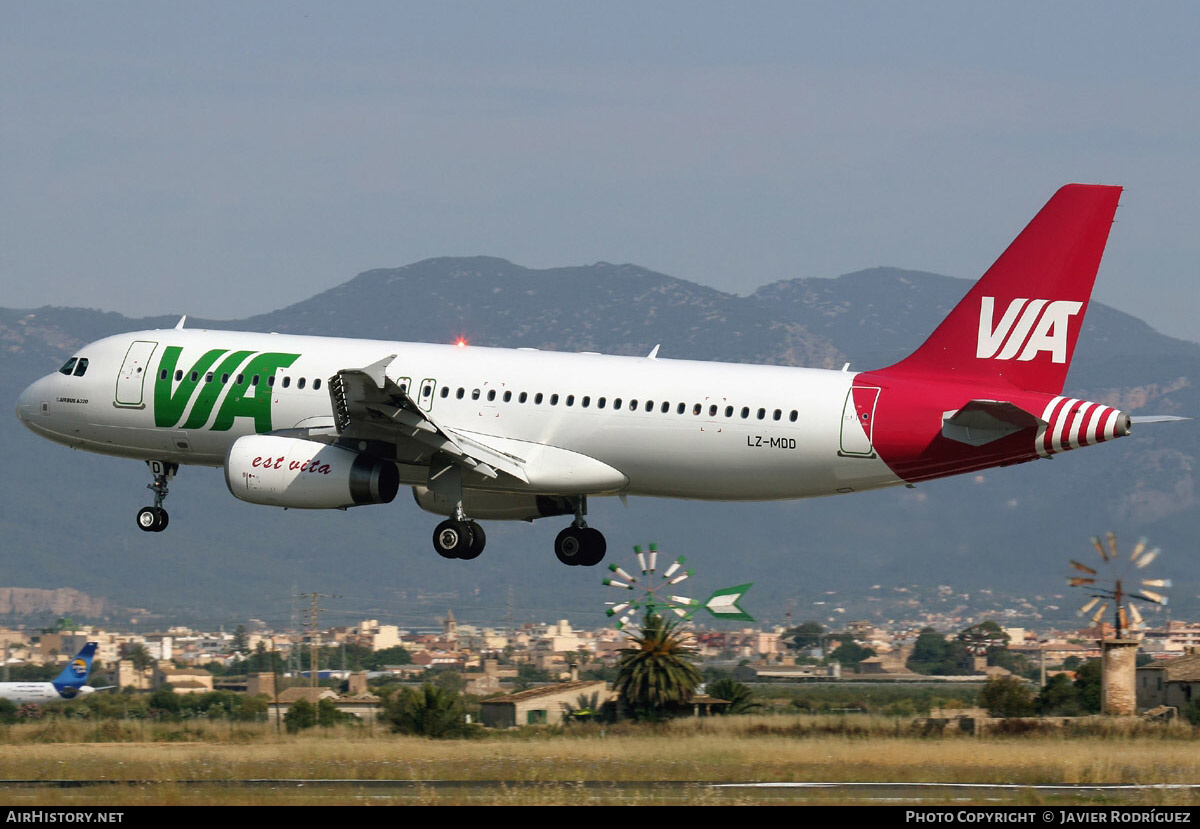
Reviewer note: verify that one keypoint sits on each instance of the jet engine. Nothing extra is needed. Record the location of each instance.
(500, 506)
(304, 474)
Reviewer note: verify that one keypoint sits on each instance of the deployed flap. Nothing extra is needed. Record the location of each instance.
(367, 404)
(550, 469)
(982, 421)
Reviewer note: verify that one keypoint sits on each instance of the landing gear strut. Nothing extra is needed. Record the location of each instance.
(580, 544)
(154, 519)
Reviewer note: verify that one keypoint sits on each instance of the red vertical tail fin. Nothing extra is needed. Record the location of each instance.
(1020, 321)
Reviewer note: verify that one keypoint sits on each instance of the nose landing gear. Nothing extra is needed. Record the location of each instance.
(154, 519)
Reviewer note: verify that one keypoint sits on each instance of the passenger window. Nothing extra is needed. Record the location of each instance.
(633, 405)
(426, 391)
(666, 407)
(162, 375)
(649, 405)
(681, 408)
(522, 397)
(762, 413)
(712, 411)
(616, 403)
(745, 412)
(600, 403)
(254, 382)
(491, 394)
(554, 400)
(458, 395)
(474, 394)
(178, 374)
(696, 408)
(317, 385)
(271, 380)
(507, 396)
(585, 401)
(445, 391)
(537, 398)
(300, 383)
(287, 381)
(82, 365)
(793, 415)
(729, 411)
(570, 400)
(241, 378)
(208, 378)
(68, 367)
(225, 379)
(777, 414)
(195, 376)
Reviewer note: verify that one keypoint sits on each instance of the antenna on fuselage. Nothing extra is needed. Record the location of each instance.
(179, 325)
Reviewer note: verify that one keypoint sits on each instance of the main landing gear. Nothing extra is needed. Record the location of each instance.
(579, 544)
(154, 519)
(459, 538)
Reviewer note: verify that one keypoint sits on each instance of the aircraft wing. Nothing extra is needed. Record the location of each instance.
(369, 405)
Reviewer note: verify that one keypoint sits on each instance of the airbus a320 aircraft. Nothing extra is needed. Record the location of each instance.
(68, 685)
(488, 433)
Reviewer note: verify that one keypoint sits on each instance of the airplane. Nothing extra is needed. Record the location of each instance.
(309, 422)
(69, 684)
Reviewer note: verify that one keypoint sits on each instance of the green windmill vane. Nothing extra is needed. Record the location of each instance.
(658, 596)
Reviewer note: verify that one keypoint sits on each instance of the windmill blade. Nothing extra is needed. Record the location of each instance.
(1082, 567)
(1149, 557)
(1156, 582)
(1088, 606)
(1112, 545)
(675, 565)
(1099, 614)
(1079, 581)
(1151, 596)
(1138, 622)
(616, 569)
(1138, 549)
(1099, 547)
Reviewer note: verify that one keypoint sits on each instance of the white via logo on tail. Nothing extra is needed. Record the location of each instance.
(1013, 330)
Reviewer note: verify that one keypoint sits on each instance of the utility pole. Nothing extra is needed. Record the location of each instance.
(314, 632)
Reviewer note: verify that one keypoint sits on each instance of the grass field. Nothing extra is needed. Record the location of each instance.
(189, 764)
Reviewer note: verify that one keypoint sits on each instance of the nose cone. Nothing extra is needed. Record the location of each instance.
(27, 404)
(33, 406)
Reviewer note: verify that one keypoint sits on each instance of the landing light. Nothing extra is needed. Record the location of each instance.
(461, 342)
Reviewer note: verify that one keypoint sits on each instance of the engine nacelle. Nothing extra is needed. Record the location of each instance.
(304, 474)
(498, 506)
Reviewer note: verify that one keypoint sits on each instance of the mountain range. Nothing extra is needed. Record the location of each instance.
(68, 516)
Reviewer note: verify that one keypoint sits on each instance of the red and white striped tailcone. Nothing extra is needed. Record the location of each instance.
(1073, 423)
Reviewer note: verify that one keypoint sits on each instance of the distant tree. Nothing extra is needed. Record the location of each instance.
(429, 711)
(301, 714)
(1088, 685)
(655, 673)
(164, 703)
(328, 714)
(1007, 696)
(804, 636)
(1059, 698)
(241, 640)
(740, 697)
(933, 655)
(1071, 663)
(396, 655)
(8, 711)
(849, 652)
(138, 654)
(452, 681)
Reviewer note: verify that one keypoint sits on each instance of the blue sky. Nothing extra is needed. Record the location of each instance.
(222, 159)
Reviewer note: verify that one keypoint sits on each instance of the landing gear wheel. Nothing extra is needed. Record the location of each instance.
(452, 538)
(478, 541)
(580, 546)
(594, 547)
(152, 519)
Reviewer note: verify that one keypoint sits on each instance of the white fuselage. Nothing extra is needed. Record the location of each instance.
(38, 693)
(672, 428)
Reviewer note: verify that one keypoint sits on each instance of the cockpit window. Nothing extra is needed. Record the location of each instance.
(68, 367)
(81, 366)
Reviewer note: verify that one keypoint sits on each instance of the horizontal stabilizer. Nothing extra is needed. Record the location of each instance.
(982, 421)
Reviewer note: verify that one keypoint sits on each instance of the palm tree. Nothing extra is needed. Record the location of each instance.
(739, 697)
(656, 672)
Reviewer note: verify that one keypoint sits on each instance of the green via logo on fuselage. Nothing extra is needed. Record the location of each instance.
(245, 399)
